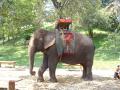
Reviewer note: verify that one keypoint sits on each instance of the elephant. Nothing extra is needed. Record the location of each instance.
(44, 41)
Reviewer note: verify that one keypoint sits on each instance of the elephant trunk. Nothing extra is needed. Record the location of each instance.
(31, 52)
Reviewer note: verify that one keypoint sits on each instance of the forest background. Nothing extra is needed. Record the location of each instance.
(99, 19)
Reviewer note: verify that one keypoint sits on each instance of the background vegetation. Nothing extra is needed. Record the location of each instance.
(100, 19)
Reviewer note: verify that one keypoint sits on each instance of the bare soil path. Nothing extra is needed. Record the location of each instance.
(67, 80)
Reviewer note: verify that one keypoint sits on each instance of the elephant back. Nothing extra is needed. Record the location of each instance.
(65, 42)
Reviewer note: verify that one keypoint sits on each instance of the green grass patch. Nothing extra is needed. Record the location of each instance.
(103, 64)
(20, 55)
(13, 53)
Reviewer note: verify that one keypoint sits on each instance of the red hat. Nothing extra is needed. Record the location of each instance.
(65, 21)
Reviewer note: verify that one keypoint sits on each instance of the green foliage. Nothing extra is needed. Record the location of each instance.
(20, 18)
(113, 23)
(18, 54)
(102, 20)
(107, 46)
(17, 16)
(113, 42)
(81, 10)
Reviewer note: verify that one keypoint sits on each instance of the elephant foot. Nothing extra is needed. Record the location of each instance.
(40, 77)
(53, 80)
(83, 77)
(32, 73)
(88, 79)
(40, 80)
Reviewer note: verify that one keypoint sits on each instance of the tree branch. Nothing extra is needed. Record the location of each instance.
(56, 4)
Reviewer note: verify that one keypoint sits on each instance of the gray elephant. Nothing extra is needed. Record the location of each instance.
(44, 41)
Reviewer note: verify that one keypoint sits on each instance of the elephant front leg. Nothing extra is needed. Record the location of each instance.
(43, 69)
(40, 73)
(52, 68)
(52, 74)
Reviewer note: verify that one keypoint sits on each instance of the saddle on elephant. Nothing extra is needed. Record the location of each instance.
(63, 24)
(65, 39)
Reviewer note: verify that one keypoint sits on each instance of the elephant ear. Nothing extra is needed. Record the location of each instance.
(49, 40)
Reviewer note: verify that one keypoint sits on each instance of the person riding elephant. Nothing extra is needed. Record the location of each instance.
(63, 24)
(44, 41)
(64, 36)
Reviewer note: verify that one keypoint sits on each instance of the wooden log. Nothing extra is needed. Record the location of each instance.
(3, 88)
(8, 62)
(11, 85)
(8, 83)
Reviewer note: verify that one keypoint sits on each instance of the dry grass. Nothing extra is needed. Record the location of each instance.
(71, 82)
(67, 80)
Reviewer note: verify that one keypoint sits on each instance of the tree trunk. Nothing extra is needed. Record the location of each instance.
(90, 33)
(3, 36)
(59, 6)
(56, 4)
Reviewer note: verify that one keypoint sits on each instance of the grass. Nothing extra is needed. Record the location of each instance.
(104, 59)
(20, 55)
(102, 64)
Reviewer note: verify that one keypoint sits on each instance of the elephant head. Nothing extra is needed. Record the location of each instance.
(40, 41)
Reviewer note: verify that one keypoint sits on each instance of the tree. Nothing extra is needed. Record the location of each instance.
(17, 16)
(85, 10)
(106, 2)
(59, 6)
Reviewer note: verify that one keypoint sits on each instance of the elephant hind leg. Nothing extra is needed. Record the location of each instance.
(43, 69)
(87, 72)
(84, 72)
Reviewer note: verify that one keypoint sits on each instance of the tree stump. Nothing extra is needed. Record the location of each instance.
(11, 85)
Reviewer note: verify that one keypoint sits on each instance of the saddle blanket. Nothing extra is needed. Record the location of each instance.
(66, 43)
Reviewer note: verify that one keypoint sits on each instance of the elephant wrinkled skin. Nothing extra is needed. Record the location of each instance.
(44, 41)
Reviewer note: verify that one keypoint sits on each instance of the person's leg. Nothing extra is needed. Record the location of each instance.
(115, 75)
(119, 75)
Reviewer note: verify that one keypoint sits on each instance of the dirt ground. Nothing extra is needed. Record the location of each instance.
(67, 80)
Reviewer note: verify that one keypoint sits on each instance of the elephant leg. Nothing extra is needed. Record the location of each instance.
(84, 72)
(52, 64)
(89, 73)
(43, 68)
